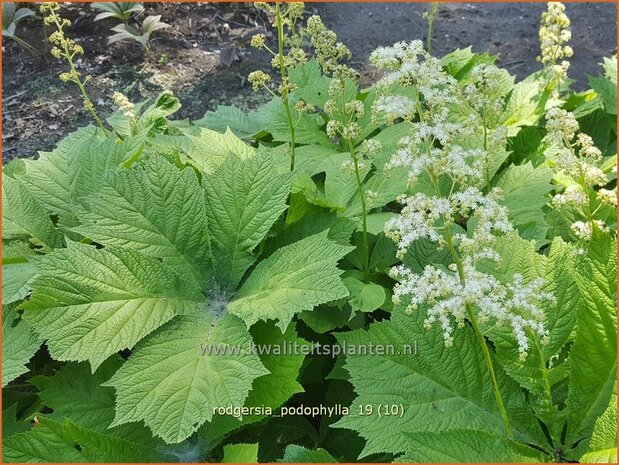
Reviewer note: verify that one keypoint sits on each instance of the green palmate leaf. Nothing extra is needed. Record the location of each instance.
(175, 378)
(312, 86)
(24, 217)
(271, 390)
(534, 373)
(339, 186)
(448, 387)
(603, 443)
(460, 62)
(560, 280)
(49, 177)
(92, 159)
(65, 441)
(244, 199)
(300, 454)
(211, 148)
(244, 125)
(524, 190)
(312, 222)
(75, 394)
(19, 344)
(91, 303)
(325, 318)
(594, 353)
(99, 447)
(156, 209)
(468, 446)
(425, 252)
(240, 453)
(295, 278)
(389, 186)
(10, 424)
(518, 256)
(525, 147)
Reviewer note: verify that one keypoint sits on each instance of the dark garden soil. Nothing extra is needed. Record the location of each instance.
(204, 57)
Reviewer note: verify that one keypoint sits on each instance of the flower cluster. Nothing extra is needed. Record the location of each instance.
(328, 51)
(408, 64)
(69, 50)
(289, 53)
(578, 158)
(486, 92)
(553, 35)
(425, 216)
(64, 47)
(123, 103)
(458, 215)
(445, 298)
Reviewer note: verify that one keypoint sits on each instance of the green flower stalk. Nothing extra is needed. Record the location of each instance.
(430, 16)
(66, 48)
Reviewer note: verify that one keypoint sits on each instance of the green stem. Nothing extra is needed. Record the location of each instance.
(495, 386)
(284, 74)
(364, 213)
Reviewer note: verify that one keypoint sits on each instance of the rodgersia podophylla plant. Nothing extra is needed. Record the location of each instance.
(578, 158)
(69, 50)
(286, 56)
(553, 36)
(162, 280)
(434, 150)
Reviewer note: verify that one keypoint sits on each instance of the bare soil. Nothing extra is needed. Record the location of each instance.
(204, 57)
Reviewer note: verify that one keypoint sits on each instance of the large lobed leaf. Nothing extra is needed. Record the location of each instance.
(90, 303)
(293, 279)
(172, 383)
(156, 209)
(594, 353)
(244, 198)
(440, 388)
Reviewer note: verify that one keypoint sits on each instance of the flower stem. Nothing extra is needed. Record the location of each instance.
(284, 75)
(364, 212)
(495, 385)
(431, 15)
